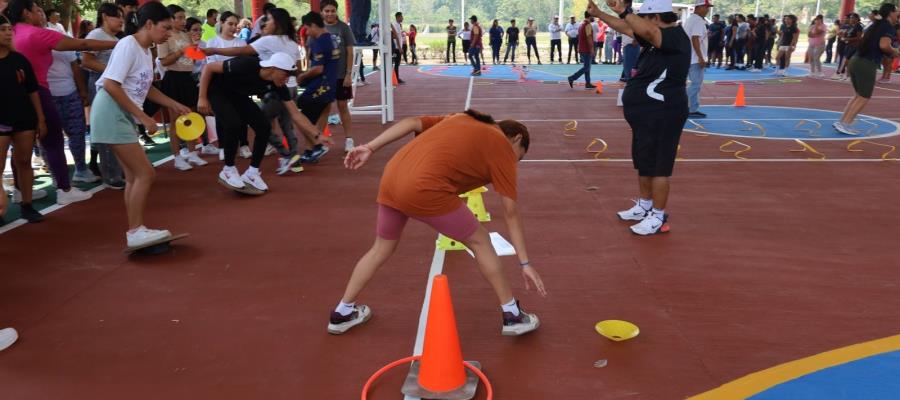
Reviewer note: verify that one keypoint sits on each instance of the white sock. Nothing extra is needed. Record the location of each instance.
(659, 214)
(511, 307)
(646, 204)
(345, 309)
(253, 170)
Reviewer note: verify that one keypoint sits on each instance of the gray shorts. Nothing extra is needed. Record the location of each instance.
(109, 123)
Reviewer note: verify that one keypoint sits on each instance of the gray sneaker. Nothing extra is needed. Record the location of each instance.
(339, 324)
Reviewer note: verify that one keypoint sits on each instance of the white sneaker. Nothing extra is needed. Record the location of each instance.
(36, 194)
(270, 150)
(339, 324)
(230, 177)
(650, 225)
(8, 336)
(181, 164)
(348, 144)
(635, 213)
(72, 196)
(245, 152)
(844, 128)
(85, 176)
(255, 180)
(209, 150)
(284, 165)
(193, 158)
(142, 236)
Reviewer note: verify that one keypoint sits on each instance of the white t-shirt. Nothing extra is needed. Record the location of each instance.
(268, 45)
(59, 77)
(99, 34)
(696, 26)
(219, 42)
(554, 30)
(132, 66)
(465, 35)
(400, 36)
(57, 27)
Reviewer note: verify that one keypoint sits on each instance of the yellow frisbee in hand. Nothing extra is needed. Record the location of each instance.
(617, 330)
(190, 126)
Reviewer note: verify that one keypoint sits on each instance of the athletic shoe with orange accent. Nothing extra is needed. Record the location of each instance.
(651, 225)
(340, 324)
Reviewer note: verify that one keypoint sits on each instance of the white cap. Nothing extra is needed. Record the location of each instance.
(281, 61)
(530, 18)
(703, 3)
(655, 7)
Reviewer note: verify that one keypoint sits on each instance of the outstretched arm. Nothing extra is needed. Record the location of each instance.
(360, 154)
(615, 22)
(517, 236)
(70, 44)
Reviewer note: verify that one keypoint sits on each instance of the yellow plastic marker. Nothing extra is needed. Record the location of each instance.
(572, 126)
(735, 153)
(752, 125)
(597, 153)
(807, 148)
(190, 126)
(617, 330)
(475, 202)
(809, 131)
(884, 156)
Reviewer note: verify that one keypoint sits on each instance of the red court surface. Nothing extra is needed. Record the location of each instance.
(767, 262)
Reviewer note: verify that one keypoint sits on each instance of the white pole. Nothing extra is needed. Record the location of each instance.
(387, 89)
(757, 9)
(561, 11)
(818, 5)
(462, 12)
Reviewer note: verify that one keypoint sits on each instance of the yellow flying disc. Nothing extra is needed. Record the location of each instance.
(190, 126)
(614, 329)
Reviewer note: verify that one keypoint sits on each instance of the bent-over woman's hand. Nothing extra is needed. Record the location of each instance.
(203, 107)
(357, 156)
(533, 279)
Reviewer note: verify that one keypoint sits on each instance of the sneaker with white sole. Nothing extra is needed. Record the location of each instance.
(229, 177)
(142, 235)
(254, 179)
(651, 225)
(317, 152)
(193, 158)
(348, 144)
(8, 336)
(85, 176)
(36, 194)
(245, 152)
(285, 163)
(72, 196)
(270, 150)
(209, 150)
(635, 213)
(844, 128)
(181, 164)
(339, 324)
(515, 325)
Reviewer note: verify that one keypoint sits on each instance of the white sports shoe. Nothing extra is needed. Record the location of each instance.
(142, 236)
(230, 177)
(254, 179)
(85, 176)
(844, 128)
(651, 225)
(348, 144)
(635, 213)
(8, 336)
(72, 196)
(36, 194)
(270, 150)
(209, 150)
(245, 152)
(181, 164)
(339, 324)
(193, 158)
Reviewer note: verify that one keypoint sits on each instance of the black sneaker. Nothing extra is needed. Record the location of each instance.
(339, 324)
(148, 141)
(476, 73)
(30, 214)
(116, 184)
(515, 325)
(696, 114)
(571, 82)
(317, 152)
(306, 157)
(589, 86)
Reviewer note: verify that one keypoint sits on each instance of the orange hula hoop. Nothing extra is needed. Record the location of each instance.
(377, 374)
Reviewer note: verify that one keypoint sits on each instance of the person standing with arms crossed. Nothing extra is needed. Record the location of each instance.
(572, 35)
(512, 41)
(531, 41)
(655, 103)
(695, 26)
(555, 30)
(451, 42)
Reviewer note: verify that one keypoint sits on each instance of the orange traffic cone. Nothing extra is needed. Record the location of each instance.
(326, 132)
(522, 76)
(394, 79)
(896, 63)
(599, 87)
(739, 100)
(442, 367)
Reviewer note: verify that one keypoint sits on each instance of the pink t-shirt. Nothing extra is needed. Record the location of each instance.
(818, 35)
(36, 45)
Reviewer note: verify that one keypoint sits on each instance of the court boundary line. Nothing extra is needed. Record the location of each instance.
(713, 160)
(702, 97)
(47, 210)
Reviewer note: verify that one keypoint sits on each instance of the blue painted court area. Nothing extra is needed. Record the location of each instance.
(605, 73)
(782, 123)
(870, 378)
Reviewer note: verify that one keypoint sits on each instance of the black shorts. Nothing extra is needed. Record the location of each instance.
(311, 109)
(20, 123)
(654, 144)
(180, 86)
(343, 93)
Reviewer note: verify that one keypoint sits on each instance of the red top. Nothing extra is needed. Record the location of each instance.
(585, 39)
(412, 37)
(476, 37)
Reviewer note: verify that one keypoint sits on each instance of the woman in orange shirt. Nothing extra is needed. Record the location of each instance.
(450, 155)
